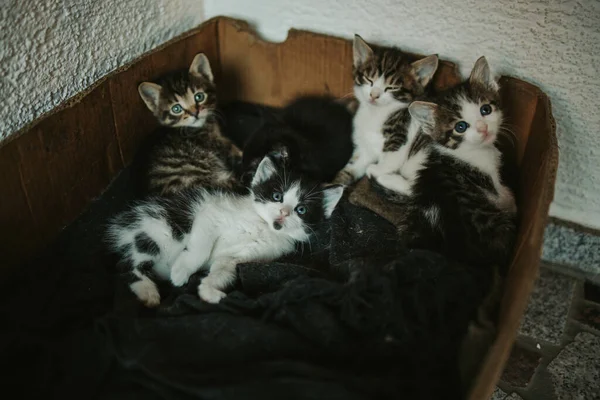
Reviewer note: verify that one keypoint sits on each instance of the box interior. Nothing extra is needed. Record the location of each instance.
(52, 168)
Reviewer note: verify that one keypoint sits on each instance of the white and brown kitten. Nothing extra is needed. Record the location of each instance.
(385, 83)
(171, 238)
(448, 175)
(190, 150)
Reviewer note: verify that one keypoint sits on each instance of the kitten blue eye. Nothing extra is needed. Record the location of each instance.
(277, 196)
(485, 109)
(177, 109)
(199, 97)
(461, 127)
(301, 210)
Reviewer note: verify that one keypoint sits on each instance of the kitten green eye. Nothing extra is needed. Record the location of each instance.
(177, 109)
(301, 210)
(199, 97)
(485, 109)
(461, 127)
(277, 196)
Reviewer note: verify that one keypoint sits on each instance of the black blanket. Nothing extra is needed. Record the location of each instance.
(352, 316)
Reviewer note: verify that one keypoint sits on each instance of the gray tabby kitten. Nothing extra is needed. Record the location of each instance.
(190, 150)
(448, 176)
(385, 83)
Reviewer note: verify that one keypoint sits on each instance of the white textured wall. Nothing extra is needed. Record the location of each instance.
(52, 49)
(553, 44)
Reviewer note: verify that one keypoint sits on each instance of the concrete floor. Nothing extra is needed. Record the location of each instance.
(557, 354)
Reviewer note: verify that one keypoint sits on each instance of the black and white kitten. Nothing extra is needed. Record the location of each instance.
(171, 238)
(448, 174)
(189, 150)
(312, 135)
(385, 83)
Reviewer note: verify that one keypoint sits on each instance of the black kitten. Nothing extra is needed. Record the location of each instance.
(312, 135)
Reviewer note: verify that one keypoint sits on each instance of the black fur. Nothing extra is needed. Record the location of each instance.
(314, 132)
(178, 211)
(145, 244)
(470, 228)
(311, 193)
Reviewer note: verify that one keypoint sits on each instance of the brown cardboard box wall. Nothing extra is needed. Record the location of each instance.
(51, 169)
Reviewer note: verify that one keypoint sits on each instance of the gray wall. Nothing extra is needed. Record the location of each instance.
(52, 49)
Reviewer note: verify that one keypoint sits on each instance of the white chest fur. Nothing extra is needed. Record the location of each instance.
(239, 232)
(250, 238)
(368, 128)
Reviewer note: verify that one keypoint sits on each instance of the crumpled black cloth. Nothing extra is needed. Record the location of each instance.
(352, 316)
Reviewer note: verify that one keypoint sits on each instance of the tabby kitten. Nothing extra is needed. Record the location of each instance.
(173, 237)
(385, 83)
(449, 178)
(190, 150)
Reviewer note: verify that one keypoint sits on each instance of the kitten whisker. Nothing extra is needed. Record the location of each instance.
(508, 133)
(219, 117)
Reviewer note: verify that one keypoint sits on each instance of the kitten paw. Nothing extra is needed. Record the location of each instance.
(343, 178)
(179, 275)
(147, 292)
(373, 171)
(210, 294)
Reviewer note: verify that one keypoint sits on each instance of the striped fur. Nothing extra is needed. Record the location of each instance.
(189, 149)
(385, 82)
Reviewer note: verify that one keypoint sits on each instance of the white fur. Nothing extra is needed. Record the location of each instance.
(478, 149)
(368, 123)
(331, 197)
(264, 171)
(471, 114)
(226, 230)
(395, 170)
(146, 290)
(433, 215)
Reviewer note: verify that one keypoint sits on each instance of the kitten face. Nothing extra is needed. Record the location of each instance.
(383, 77)
(182, 98)
(467, 114)
(291, 205)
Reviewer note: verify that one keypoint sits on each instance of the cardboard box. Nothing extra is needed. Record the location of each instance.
(51, 169)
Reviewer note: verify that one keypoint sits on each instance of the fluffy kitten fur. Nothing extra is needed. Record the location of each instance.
(190, 150)
(313, 135)
(385, 83)
(173, 237)
(447, 177)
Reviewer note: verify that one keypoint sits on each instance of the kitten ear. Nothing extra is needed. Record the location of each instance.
(423, 111)
(265, 170)
(361, 50)
(331, 196)
(425, 68)
(150, 93)
(201, 67)
(482, 74)
(280, 152)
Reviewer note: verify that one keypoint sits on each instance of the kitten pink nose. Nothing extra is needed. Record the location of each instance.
(481, 127)
(375, 94)
(284, 212)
